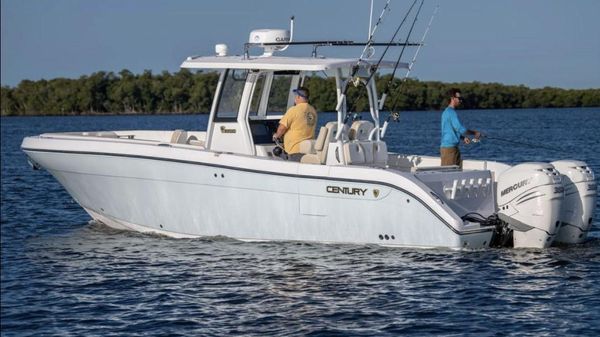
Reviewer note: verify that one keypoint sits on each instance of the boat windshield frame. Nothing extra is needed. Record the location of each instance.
(232, 88)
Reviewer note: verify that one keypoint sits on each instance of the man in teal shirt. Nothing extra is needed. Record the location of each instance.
(453, 131)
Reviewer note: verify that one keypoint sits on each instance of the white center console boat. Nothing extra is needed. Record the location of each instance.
(347, 188)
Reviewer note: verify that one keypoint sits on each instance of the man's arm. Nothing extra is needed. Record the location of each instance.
(457, 125)
(475, 133)
(281, 130)
(467, 140)
(283, 125)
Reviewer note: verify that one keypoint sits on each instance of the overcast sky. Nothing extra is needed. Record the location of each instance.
(532, 42)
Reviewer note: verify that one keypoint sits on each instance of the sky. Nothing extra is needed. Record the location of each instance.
(536, 43)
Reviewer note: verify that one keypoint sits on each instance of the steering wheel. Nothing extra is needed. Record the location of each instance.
(278, 150)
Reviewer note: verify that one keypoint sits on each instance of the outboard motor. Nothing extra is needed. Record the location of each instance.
(529, 199)
(580, 200)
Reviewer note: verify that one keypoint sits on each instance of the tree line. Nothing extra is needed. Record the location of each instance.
(188, 92)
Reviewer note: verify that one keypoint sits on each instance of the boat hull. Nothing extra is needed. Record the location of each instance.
(179, 196)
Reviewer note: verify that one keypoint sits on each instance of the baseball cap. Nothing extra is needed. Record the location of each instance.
(302, 92)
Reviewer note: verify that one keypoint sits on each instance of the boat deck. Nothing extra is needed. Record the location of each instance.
(194, 140)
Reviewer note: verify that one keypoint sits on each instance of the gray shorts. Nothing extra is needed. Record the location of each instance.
(295, 156)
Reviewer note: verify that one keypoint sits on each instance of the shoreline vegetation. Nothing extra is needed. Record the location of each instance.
(184, 92)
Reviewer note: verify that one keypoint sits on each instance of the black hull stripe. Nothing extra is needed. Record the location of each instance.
(481, 230)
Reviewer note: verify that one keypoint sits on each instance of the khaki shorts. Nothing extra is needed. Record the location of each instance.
(450, 156)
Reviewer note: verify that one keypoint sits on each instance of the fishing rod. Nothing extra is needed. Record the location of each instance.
(521, 143)
(387, 47)
(355, 69)
(397, 61)
(421, 43)
(372, 34)
(404, 47)
(370, 20)
(395, 115)
(368, 46)
(414, 59)
(475, 143)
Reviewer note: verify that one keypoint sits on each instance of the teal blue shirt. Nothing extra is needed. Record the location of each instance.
(452, 128)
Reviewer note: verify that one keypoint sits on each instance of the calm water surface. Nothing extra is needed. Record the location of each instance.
(64, 275)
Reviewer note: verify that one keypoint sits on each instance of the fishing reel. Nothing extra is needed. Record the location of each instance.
(478, 140)
(394, 116)
(356, 81)
(355, 116)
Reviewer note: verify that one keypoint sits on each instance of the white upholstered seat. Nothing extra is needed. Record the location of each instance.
(321, 144)
(179, 137)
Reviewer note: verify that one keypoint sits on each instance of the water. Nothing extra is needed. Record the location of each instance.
(63, 275)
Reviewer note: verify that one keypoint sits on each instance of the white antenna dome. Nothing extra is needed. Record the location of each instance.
(262, 36)
(221, 49)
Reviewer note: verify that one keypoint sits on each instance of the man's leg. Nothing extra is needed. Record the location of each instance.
(295, 156)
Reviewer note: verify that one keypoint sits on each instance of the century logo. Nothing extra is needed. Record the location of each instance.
(226, 130)
(346, 190)
(515, 186)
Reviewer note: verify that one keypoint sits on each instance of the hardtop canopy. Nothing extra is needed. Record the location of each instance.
(281, 63)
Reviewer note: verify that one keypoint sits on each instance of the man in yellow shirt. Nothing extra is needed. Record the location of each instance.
(298, 124)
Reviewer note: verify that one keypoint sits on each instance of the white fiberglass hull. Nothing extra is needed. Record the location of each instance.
(190, 193)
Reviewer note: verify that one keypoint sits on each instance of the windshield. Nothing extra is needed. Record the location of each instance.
(231, 94)
(279, 95)
(277, 100)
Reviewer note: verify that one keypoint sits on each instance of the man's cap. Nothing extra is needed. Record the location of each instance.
(302, 92)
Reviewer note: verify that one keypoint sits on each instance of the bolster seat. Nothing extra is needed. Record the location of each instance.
(354, 153)
(321, 144)
(360, 130)
(375, 152)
